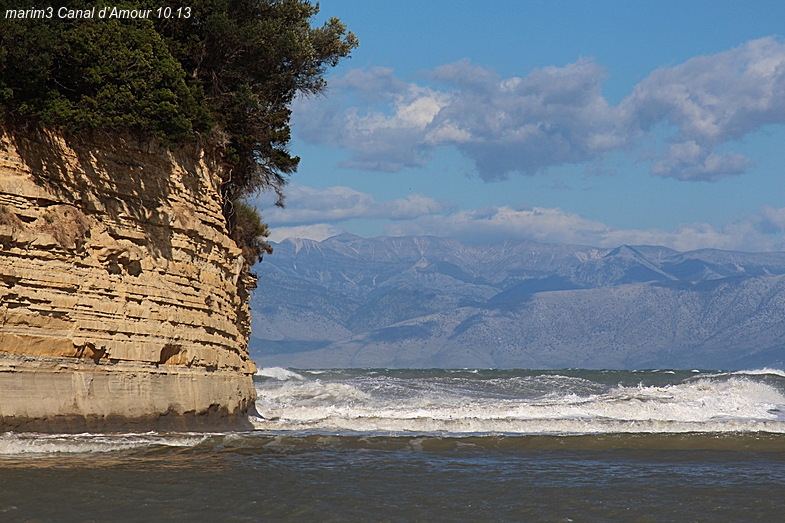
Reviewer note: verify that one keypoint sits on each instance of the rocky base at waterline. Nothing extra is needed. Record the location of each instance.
(122, 299)
(62, 395)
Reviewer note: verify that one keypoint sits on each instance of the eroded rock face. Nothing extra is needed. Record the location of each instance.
(115, 268)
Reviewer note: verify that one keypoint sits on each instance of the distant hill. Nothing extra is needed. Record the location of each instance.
(436, 302)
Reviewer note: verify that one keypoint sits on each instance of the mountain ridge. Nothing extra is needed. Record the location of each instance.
(425, 301)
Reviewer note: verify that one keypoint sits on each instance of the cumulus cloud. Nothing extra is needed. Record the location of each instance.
(381, 119)
(499, 223)
(772, 220)
(318, 214)
(553, 225)
(711, 100)
(318, 232)
(690, 161)
(306, 205)
(554, 115)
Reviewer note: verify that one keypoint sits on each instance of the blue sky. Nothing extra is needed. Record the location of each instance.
(588, 122)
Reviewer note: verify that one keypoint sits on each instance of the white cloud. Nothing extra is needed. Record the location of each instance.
(690, 161)
(381, 119)
(411, 207)
(306, 205)
(772, 219)
(711, 100)
(499, 223)
(318, 214)
(552, 225)
(317, 232)
(550, 117)
(554, 115)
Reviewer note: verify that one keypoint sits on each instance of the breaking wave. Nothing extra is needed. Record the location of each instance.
(523, 402)
(32, 444)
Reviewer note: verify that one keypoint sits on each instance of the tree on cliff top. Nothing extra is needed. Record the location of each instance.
(223, 72)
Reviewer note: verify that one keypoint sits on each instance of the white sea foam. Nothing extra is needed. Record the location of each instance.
(754, 372)
(561, 404)
(279, 373)
(47, 444)
(761, 372)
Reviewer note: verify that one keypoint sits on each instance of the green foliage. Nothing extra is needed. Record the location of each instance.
(250, 232)
(138, 85)
(96, 75)
(224, 75)
(252, 58)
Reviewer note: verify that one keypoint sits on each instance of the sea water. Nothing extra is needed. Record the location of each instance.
(434, 445)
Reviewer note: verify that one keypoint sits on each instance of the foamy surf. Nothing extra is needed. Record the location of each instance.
(278, 373)
(30, 444)
(504, 402)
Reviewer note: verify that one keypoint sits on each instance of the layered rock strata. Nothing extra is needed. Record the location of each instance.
(119, 300)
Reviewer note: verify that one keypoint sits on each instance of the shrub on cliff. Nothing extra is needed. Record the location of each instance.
(220, 71)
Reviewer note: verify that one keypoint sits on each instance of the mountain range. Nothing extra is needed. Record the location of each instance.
(427, 302)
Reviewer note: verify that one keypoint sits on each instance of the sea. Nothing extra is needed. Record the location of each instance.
(433, 445)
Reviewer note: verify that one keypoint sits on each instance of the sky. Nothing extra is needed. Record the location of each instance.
(585, 122)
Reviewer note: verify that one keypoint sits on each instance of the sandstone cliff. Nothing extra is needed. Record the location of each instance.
(119, 302)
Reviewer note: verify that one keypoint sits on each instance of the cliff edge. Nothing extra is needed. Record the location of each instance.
(119, 300)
